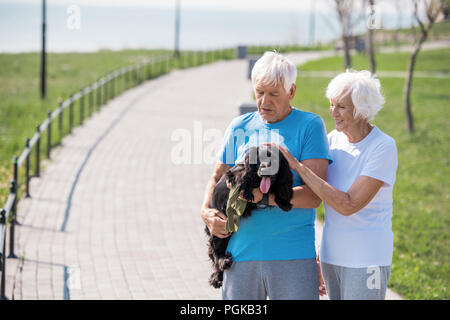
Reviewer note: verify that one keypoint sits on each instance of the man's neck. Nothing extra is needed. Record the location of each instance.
(284, 116)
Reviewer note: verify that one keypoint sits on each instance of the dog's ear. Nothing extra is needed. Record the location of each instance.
(249, 179)
(234, 174)
(282, 187)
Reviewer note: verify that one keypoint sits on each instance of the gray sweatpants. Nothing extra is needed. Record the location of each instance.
(277, 279)
(343, 283)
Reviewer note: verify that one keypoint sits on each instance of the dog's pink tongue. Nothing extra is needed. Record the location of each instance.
(264, 186)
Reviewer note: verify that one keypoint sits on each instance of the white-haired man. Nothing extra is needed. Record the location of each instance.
(273, 251)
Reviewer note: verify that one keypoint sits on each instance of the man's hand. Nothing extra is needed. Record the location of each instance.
(216, 222)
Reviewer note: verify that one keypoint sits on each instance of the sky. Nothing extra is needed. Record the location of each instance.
(230, 22)
(388, 6)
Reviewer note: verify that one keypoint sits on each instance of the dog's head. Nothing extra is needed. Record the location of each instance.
(267, 168)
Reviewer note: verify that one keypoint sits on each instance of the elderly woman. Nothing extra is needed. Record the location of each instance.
(357, 242)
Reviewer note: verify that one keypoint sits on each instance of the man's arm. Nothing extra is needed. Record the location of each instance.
(214, 219)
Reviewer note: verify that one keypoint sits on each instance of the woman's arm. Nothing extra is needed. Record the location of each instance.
(357, 197)
(347, 203)
(303, 196)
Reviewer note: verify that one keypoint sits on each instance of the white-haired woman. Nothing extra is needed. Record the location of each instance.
(357, 242)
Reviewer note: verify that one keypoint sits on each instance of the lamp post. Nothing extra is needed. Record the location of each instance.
(43, 53)
(177, 29)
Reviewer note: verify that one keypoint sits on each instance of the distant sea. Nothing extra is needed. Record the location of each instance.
(143, 27)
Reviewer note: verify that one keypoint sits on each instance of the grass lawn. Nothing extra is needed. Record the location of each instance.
(431, 60)
(20, 105)
(421, 260)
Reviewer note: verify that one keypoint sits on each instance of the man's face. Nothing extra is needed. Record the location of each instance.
(273, 102)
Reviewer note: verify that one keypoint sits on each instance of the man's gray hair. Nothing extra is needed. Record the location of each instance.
(273, 68)
(365, 91)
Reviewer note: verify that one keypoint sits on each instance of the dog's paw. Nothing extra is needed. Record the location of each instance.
(215, 280)
(226, 262)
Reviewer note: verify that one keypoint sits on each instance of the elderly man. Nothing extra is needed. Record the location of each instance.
(273, 251)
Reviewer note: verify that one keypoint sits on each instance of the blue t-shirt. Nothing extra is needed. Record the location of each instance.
(270, 233)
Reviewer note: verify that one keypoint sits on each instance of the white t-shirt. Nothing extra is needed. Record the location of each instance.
(364, 238)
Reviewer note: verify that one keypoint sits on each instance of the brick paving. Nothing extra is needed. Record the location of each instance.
(111, 216)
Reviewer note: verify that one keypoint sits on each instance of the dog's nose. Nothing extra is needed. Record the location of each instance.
(263, 168)
(264, 165)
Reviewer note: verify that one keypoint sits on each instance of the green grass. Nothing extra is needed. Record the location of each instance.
(421, 260)
(430, 60)
(440, 29)
(405, 36)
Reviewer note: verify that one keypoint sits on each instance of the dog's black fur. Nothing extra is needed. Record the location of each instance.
(248, 176)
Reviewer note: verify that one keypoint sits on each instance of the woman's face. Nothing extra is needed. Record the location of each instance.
(341, 109)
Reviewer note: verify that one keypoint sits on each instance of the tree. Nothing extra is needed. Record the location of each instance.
(432, 8)
(398, 8)
(370, 46)
(346, 13)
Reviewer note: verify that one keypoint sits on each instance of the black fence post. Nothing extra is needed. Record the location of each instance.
(134, 76)
(91, 99)
(3, 256)
(60, 121)
(81, 106)
(113, 87)
(99, 95)
(105, 91)
(71, 113)
(13, 212)
(27, 169)
(38, 150)
(49, 134)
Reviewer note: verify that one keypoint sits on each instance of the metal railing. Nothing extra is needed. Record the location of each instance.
(104, 89)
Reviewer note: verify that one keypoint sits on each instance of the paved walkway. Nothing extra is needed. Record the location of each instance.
(111, 216)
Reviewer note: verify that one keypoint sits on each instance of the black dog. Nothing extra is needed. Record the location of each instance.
(261, 169)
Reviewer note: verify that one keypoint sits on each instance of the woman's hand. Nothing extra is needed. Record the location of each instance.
(322, 289)
(293, 163)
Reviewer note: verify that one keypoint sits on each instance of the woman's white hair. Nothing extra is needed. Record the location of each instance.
(365, 92)
(273, 68)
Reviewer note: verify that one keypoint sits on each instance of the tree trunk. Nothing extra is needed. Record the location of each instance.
(373, 66)
(348, 59)
(408, 85)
